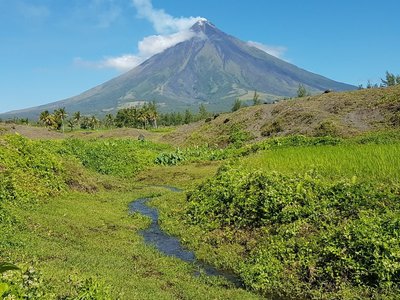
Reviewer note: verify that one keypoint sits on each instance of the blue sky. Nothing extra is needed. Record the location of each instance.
(51, 50)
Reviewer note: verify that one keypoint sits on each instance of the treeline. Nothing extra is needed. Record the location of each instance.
(145, 116)
(390, 80)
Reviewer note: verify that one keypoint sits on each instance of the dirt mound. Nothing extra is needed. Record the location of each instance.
(337, 114)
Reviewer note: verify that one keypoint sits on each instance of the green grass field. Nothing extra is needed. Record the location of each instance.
(287, 217)
(371, 162)
(80, 242)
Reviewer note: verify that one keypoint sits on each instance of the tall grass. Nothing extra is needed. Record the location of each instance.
(371, 162)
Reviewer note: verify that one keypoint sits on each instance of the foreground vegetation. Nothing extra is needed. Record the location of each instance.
(315, 221)
(294, 217)
(65, 224)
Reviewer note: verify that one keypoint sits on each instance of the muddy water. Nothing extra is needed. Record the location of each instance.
(169, 245)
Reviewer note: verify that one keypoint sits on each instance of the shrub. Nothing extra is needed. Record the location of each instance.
(170, 159)
(123, 158)
(238, 136)
(28, 171)
(318, 237)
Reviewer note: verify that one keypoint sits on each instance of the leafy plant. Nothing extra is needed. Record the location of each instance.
(4, 267)
(238, 136)
(170, 159)
(318, 236)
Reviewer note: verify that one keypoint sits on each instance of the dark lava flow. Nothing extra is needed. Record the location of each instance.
(169, 245)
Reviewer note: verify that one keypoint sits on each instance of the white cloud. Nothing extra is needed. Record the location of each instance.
(121, 63)
(171, 31)
(277, 51)
(162, 22)
(154, 44)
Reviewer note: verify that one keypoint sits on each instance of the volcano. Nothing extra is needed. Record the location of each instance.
(211, 67)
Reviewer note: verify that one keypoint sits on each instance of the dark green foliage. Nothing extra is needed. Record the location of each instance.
(4, 266)
(170, 159)
(188, 117)
(174, 119)
(319, 238)
(126, 117)
(135, 117)
(391, 79)
(238, 136)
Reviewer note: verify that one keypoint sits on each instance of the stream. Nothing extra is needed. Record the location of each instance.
(171, 246)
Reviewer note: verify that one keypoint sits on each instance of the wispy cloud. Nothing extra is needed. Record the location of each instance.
(170, 31)
(162, 22)
(277, 51)
(122, 63)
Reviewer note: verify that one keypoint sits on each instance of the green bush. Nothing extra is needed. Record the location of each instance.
(29, 284)
(123, 158)
(238, 136)
(28, 171)
(318, 237)
(170, 159)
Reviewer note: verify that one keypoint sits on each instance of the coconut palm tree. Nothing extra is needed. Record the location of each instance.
(109, 120)
(152, 113)
(93, 122)
(61, 113)
(142, 116)
(77, 118)
(43, 116)
(50, 121)
(71, 124)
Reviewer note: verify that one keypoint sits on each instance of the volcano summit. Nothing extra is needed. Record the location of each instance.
(211, 67)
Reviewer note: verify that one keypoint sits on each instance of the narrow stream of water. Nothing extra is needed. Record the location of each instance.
(169, 245)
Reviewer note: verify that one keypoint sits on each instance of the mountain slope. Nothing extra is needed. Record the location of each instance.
(341, 114)
(212, 67)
